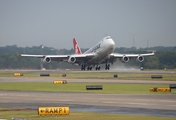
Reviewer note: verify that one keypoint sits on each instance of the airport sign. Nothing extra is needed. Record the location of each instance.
(60, 82)
(18, 74)
(53, 110)
(160, 90)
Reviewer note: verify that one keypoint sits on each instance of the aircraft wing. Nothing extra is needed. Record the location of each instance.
(118, 55)
(126, 57)
(35, 56)
(77, 58)
(43, 56)
(59, 56)
(50, 57)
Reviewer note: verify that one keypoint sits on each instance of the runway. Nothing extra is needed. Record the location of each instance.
(82, 80)
(156, 105)
(109, 71)
(136, 104)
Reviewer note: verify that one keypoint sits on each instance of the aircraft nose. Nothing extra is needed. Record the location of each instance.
(112, 44)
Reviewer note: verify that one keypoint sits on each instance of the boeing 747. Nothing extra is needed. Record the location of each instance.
(101, 53)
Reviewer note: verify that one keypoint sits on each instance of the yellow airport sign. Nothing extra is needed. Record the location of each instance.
(164, 90)
(53, 110)
(18, 74)
(160, 90)
(153, 89)
(60, 82)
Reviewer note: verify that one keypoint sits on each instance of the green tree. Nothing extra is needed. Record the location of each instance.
(152, 63)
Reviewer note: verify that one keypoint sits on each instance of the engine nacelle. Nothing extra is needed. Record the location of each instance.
(125, 59)
(72, 60)
(140, 58)
(47, 60)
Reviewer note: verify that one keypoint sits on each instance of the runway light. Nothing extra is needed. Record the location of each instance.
(18, 74)
(60, 82)
(160, 90)
(53, 110)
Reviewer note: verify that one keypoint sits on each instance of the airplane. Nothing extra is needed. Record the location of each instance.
(101, 53)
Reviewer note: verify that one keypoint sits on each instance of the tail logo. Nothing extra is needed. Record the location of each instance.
(76, 47)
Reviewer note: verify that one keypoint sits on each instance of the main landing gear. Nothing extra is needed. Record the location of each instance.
(89, 68)
(107, 66)
(97, 67)
(83, 67)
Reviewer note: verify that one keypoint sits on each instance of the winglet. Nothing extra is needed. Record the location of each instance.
(76, 47)
(153, 52)
(17, 54)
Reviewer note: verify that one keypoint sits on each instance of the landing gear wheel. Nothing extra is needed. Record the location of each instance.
(83, 67)
(107, 66)
(97, 67)
(89, 68)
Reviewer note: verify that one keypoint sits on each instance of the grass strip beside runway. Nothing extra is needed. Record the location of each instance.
(97, 75)
(108, 88)
(32, 115)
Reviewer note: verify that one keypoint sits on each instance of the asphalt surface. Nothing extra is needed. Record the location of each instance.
(151, 104)
(102, 70)
(51, 79)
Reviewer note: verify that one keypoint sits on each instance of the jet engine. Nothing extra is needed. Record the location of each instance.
(72, 60)
(125, 59)
(47, 60)
(140, 58)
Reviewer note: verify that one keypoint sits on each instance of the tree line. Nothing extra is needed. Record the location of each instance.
(165, 57)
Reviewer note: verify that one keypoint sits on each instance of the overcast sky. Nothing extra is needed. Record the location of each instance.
(54, 23)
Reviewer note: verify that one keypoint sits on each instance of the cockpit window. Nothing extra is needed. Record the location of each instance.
(108, 37)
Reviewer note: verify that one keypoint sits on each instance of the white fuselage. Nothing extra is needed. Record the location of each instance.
(102, 50)
(101, 53)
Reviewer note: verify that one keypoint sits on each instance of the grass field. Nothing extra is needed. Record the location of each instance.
(7, 113)
(99, 75)
(108, 88)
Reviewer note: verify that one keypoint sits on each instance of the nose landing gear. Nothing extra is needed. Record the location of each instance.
(107, 66)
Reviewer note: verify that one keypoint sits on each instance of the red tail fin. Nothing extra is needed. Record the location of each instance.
(76, 47)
